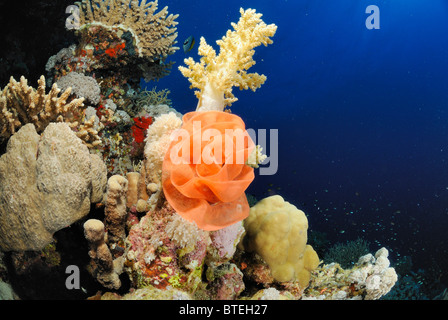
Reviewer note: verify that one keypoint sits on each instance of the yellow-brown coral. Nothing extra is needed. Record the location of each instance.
(215, 75)
(21, 104)
(277, 231)
(105, 269)
(154, 33)
(87, 133)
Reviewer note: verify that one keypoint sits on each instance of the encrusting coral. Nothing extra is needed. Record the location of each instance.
(215, 75)
(154, 33)
(21, 104)
(48, 182)
(369, 279)
(165, 251)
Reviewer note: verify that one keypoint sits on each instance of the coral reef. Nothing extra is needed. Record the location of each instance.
(61, 57)
(215, 75)
(183, 233)
(223, 243)
(153, 259)
(165, 251)
(52, 187)
(153, 223)
(225, 282)
(118, 43)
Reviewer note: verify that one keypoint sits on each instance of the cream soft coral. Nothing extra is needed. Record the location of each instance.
(215, 75)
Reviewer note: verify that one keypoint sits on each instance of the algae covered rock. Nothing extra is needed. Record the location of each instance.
(370, 278)
(48, 183)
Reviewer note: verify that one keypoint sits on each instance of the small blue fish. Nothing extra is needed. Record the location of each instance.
(188, 44)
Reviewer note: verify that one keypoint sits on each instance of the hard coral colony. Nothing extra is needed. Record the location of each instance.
(170, 210)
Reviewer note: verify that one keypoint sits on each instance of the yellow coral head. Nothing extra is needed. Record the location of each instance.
(215, 75)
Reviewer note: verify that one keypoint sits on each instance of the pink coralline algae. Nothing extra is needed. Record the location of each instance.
(154, 259)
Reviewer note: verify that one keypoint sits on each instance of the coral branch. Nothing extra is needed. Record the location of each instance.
(21, 104)
(215, 75)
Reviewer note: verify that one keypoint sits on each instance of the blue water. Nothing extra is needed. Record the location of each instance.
(361, 114)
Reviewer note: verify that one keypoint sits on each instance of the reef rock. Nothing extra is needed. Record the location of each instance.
(47, 183)
(369, 279)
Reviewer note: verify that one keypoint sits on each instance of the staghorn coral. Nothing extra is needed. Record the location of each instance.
(47, 183)
(215, 75)
(88, 134)
(21, 104)
(154, 32)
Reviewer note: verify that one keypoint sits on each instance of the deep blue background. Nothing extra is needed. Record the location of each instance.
(362, 114)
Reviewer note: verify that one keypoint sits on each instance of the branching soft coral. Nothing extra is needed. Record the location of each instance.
(215, 75)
